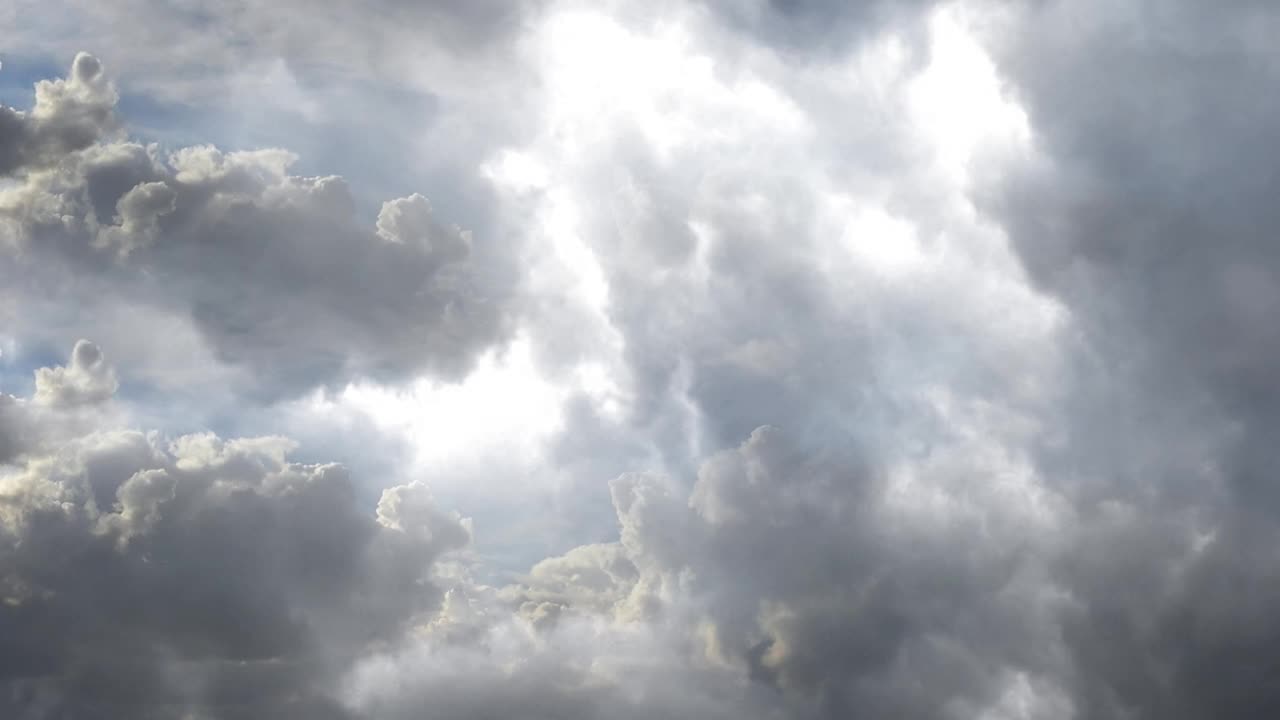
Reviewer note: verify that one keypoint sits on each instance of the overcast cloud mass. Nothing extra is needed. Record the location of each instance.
(773, 359)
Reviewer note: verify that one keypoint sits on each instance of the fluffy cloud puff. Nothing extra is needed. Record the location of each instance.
(69, 115)
(808, 572)
(274, 270)
(86, 379)
(68, 401)
(197, 577)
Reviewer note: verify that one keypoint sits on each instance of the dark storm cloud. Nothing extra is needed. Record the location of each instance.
(275, 270)
(211, 578)
(1152, 214)
(198, 577)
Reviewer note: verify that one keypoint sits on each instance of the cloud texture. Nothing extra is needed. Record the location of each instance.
(147, 577)
(273, 270)
(888, 359)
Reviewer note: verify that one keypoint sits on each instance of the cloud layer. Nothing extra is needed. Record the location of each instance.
(887, 359)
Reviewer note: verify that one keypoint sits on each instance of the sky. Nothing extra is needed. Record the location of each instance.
(564, 360)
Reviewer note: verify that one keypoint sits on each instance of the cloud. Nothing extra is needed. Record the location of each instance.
(813, 372)
(69, 114)
(145, 577)
(808, 578)
(815, 333)
(782, 584)
(514, 671)
(1147, 210)
(918, 355)
(808, 28)
(274, 270)
(11, 428)
(794, 279)
(87, 379)
(68, 401)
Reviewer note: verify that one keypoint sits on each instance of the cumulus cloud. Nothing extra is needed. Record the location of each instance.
(233, 40)
(275, 270)
(10, 427)
(517, 673)
(782, 584)
(86, 379)
(68, 401)
(70, 114)
(145, 577)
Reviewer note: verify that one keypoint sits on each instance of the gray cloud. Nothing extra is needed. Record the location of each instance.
(68, 401)
(630, 676)
(809, 29)
(1145, 213)
(784, 583)
(811, 585)
(86, 379)
(273, 269)
(356, 89)
(199, 576)
(213, 46)
(1149, 211)
(11, 428)
(69, 114)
